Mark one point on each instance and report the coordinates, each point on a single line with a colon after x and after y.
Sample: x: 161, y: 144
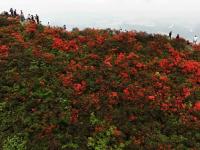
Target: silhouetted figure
x: 188, y: 42
x: 37, y: 19
x: 32, y: 18
x: 177, y: 37
x: 15, y: 12
x: 22, y: 18
x: 170, y: 35
x: 64, y: 27
x: 29, y: 17
x: 11, y: 12
x: 195, y: 39
x: 48, y: 24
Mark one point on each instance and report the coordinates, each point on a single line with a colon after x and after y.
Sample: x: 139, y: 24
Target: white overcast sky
x: 109, y: 13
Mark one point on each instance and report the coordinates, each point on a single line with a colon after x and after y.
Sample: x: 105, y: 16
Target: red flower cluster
x: 3, y: 51
x: 164, y: 63
x: 113, y: 98
x: 79, y: 87
x: 58, y: 44
x: 132, y: 118
x: 121, y: 57
x: 37, y: 53
x: 108, y: 60
x: 31, y: 27
x: 91, y: 44
x: 197, y: 106
x: 18, y: 37
x: 74, y: 116
x: 190, y: 66
x: 100, y: 40
x: 186, y: 92
x: 48, y: 56
x: 45, y: 55
x: 64, y: 45
x: 126, y: 92
x: 151, y: 97
x: 66, y: 79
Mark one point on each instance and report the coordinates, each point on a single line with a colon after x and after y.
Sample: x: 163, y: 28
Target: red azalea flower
x: 82, y: 39
x: 164, y: 78
x: 113, y: 94
x: 186, y: 92
x: 138, y: 46
x: 66, y: 80
x: 18, y: 37
x: 48, y: 56
x: 126, y: 91
x: 79, y: 87
x: 91, y: 44
x: 37, y: 53
x: 100, y: 40
x: 140, y: 65
x: 120, y: 58
x: 99, y: 128
x: 107, y: 61
x: 93, y: 56
x: 31, y: 27
x: 164, y: 63
x: 74, y: 116
x: 71, y: 45
x: 190, y: 66
x: 117, y: 132
x: 132, y: 55
x: 124, y: 75
x: 151, y: 97
x: 133, y: 71
x: 132, y: 118
x: 3, y: 51
x: 197, y: 106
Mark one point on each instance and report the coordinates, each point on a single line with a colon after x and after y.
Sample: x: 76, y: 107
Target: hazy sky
x: 110, y: 13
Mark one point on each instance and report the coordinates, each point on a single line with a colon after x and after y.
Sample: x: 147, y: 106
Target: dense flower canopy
x: 97, y: 89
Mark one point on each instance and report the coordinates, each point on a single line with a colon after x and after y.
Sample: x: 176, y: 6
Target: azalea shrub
x: 96, y: 89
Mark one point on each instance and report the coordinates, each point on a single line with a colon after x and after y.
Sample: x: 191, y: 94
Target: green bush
x: 3, y: 22
x: 14, y: 143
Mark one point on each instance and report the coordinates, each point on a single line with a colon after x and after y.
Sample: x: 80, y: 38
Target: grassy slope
x: 96, y: 89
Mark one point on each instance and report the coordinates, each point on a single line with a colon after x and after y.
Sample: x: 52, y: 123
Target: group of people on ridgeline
x: 33, y: 18
x: 170, y: 35
x: 195, y: 39
x: 13, y: 13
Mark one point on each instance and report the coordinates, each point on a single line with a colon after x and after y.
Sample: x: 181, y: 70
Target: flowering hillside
x: 96, y: 89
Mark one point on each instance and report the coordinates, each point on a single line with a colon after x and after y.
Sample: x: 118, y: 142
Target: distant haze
x: 180, y: 16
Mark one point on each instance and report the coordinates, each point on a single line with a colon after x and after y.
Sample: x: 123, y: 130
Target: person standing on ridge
x: 11, y: 12
x: 22, y: 18
x: 64, y: 27
x: 37, y: 19
x: 170, y: 35
x: 29, y: 17
x: 195, y: 39
x: 32, y: 18
x: 15, y: 12
x: 48, y: 25
x: 177, y: 37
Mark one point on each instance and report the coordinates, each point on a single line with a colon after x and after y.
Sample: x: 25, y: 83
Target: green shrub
x: 3, y: 22
x: 14, y: 143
